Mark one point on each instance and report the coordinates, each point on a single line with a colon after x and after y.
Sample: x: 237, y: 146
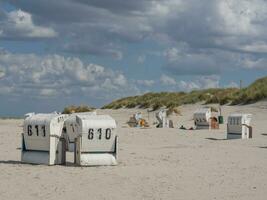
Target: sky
x: 64, y: 52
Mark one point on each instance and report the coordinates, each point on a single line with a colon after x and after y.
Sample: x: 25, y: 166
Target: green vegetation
x: 75, y: 109
x: 253, y: 93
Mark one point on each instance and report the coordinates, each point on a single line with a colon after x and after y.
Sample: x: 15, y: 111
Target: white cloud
x: 232, y: 84
x: 258, y: 47
x: 202, y: 82
x: 188, y: 85
x: 242, y: 17
x: 55, y: 75
x: 120, y: 80
x: 167, y: 80
x: 209, y: 81
x: 48, y: 92
x: 19, y: 24
x: 254, y: 63
x: 199, y: 82
x: 172, y: 54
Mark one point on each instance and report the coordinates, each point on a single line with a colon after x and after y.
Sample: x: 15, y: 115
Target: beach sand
x: 153, y: 163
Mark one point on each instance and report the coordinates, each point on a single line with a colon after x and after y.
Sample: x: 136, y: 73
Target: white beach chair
x: 42, y: 139
x: 239, y: 126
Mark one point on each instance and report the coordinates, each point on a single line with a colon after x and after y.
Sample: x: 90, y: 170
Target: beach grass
x: 75, y: 109
x: 233, y: 96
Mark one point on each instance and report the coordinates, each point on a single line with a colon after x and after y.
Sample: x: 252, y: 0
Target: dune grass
x: 76, y: 109
x: 255, y: 92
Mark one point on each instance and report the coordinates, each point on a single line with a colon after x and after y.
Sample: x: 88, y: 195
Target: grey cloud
x: 183, y: 63
x: 2, y: 15
x: 141, y: 59
x: 60, y: 11
x: 82, y: 24
x: 119, y: 6
x: 146, y: 83
x: 94, y: 49
x: 2, y: 74
x: 103, y: 27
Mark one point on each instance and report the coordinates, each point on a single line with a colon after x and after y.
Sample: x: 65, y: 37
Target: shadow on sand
x: 263, y: 147
x: 16, y: 162
x: 70, y: 164
x: 264, y: 134
x: 215, y: 139
x: 12, y: 162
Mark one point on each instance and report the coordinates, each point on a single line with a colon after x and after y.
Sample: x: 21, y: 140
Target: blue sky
x: 56, y: 53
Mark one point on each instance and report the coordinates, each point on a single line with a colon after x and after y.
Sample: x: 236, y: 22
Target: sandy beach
x: 153, y: 163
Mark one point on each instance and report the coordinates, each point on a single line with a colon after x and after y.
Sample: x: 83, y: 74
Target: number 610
x: 91, y: 133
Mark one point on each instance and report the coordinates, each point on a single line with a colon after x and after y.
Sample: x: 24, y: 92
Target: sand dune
x: 153, y: 163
